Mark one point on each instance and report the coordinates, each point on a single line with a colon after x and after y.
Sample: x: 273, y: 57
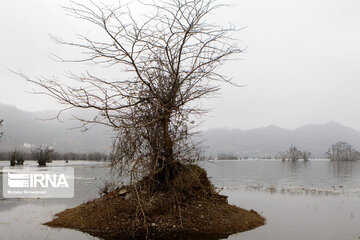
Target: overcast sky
x: 301, y: 64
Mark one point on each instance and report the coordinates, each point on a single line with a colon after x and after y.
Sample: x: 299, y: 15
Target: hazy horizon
x: 203, y: 128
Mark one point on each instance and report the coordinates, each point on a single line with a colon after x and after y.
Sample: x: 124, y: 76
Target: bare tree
x: 171, y: 57
x: 1, y: 133
x: 293, y: 154
x: 305, y: 155
x: 17, y: 157
x: 43, y: 155
x: 283, y: 156
x: 342, y: 151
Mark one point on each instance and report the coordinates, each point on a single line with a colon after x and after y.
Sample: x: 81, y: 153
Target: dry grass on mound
x: 190, y: 207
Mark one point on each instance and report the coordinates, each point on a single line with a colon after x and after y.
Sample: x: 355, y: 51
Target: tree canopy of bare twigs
x: 43, y: 155
x: 342, y: 151
x: 1, y: 133
x: 293, y: 154
x: 171, y: 56
x: 17, y: 157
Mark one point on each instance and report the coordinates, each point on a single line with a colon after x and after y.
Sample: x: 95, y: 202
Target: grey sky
x: 301, y: 64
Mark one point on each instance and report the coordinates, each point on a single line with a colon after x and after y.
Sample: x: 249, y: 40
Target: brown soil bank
x: 189, y: 209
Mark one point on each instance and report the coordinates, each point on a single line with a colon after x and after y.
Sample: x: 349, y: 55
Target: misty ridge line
x: 23, y: 127
x: 268, y: 142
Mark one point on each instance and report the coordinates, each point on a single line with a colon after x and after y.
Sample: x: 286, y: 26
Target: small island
x: 188, y: 207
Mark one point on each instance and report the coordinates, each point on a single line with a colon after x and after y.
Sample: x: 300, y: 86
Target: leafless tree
x: 283, y: 156
x: 293, y: 154
x: 43, y: 155
x: 17, y: 157
x: 171, y: 58
x: 305, y: 155
x: 1, y: 133
x: 342, y: 151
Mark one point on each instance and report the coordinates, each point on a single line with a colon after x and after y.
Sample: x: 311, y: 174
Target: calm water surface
x: 312, y: 200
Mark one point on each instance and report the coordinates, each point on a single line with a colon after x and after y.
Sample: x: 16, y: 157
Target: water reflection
x: 31, y: 213
x: 299, y: 217
x: 343, y: 170
x: 295, y: 166
x: 315, y: 174
x: 169, y: 236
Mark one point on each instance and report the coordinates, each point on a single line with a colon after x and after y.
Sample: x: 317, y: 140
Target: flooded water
x: 300, y: 200
x: 23, y: 218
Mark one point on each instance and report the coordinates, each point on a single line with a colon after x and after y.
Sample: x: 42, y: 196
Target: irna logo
x: 34, y: 180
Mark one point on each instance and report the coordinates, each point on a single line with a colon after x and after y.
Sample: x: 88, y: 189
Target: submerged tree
x: 342, y: 151
x: 17, y: 157
x: 171, y: 58
x: 1, y: 133
x: 43, y: 155
x: 283, y: 156
x: 305, y: 155
x: 293, y: 154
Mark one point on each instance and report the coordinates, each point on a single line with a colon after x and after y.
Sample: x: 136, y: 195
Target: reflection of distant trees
x: 342, y: 169
x: 294, y: 166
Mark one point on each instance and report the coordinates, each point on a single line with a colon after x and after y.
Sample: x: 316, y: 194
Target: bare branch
x: 171, y: 56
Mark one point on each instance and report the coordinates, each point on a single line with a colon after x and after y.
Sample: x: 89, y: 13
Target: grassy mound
x: 189, y: 208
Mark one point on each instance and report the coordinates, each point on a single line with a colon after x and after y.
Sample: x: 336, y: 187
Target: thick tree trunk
x: 167, y: 167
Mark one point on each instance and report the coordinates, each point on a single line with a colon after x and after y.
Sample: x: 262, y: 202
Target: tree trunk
x: 167, y: 167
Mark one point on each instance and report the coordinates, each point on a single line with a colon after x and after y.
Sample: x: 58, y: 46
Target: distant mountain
x: 22, y: 127
x: 271, y: 140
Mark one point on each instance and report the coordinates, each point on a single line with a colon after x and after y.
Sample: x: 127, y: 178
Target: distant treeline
x: 94, y: 156
x: 227, y: 156
x: 340, y: 151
